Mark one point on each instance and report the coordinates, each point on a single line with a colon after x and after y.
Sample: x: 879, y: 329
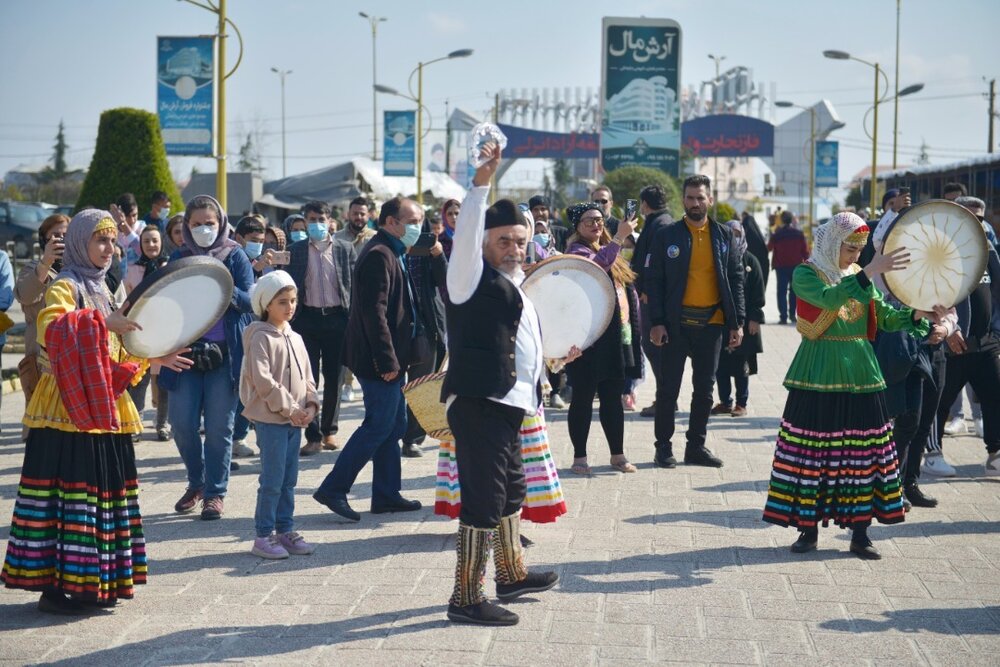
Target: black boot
x: 808, y: 538
x: 918, y: 498
x: 862, y: 547
x: 512, y: 577
x: 54, y: 602
x: 468, y: 602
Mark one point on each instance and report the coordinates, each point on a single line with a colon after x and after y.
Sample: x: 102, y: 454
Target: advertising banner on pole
x: 185, y: 94
x: 826, y: 164
x: 640, y: 94
x: 400, y: 146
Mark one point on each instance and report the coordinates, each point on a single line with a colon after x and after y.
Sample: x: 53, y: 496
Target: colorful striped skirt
x: 76, y: 525
x: 835, y: 461
x: 544, y: 500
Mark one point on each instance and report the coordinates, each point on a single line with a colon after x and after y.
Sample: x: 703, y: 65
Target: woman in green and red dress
x: 835, y: 459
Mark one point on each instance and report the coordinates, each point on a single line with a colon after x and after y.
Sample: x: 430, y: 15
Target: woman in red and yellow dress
x: 76, y: 534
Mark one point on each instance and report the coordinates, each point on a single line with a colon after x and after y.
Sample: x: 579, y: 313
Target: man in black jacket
x: 653, y: 207
x: 695, y: 288
x: 493, y: 381
x: 380, y: 333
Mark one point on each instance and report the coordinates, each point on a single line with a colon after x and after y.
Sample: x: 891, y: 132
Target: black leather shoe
x: 399, y: 504
x: 865, y: 550
x: 702, y: 457
x: 56, y: 603
x: 337, y: 506
x: 484, y: 613
x: 918, y: 498
x: 807, y: 542
x: 411, y: 451
x: 664, y: 458
x: 535, y: 582
x: 526, y: 543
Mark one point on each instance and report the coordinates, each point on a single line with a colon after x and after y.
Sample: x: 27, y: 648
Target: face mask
x: 542, y: 240
x: 627, y: 253
x: 318, y: 231
x: 205, y: 235
x: 164, y: 214
x: 299, y: 235
x: 254, y: 249
x: 411, y: 235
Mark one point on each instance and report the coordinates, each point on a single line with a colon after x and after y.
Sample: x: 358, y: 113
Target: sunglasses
x: 594, y: 221
x: 600, y: 201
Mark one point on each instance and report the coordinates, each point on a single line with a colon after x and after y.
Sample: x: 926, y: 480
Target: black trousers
x: 415, y: 433
x: 581, y: 412
x: 652, y: 352
x: 488, y: 453
x: 982, y: 371
x: 702, y: 345
x: 323, y: 335
x: 912, y: 428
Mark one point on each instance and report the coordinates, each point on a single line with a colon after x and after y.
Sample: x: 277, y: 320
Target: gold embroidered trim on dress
x: 798, y: 384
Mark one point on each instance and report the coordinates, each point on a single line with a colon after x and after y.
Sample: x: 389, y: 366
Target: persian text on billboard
x: 640, y: 97
x: 185, y: 95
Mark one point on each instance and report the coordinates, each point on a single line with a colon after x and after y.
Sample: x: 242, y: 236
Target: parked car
x: 19, y: 223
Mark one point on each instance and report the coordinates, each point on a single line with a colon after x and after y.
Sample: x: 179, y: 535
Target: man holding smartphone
x: 321, y: 267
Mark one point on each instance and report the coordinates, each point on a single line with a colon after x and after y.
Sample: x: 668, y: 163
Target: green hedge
x: 626, y: 182
x: 129, y: 157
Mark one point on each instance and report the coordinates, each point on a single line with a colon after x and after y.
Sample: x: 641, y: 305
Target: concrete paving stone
x: 785, y: 610
x: 754, y: 629
x: 839, y: 593
x: 425, y: 634
x: 699, y: 596
x: 950, y: 590
x: 643, y: 614
x: 619, y: 634
x: 871, y: 646
x: 538, y: 653
x: 951, y: 659
x: 642, y: 653
x: 681, y: 622
x: 722, y: 651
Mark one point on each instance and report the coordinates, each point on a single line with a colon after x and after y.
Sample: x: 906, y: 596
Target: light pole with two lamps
x: 374, y: 21
x: 282, y: 73
x: 418, y: 98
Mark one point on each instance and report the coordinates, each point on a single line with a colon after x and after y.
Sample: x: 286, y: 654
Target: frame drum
x: 177, y: 305
x: 948, y: 254
x: 575, y: 301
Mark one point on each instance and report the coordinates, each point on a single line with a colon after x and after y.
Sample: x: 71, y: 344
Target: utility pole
x: 993, y: 114
x: 220, y: 132
x: 895, y: 104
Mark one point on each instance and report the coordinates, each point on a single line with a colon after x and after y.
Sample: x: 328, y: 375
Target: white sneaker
x: 241, y: 450
x: 955, y: 426
x: 978, y: 425
x: 556, y: 402
x: 347, y: 394
x: 993, y: 465
x: 936, y: 466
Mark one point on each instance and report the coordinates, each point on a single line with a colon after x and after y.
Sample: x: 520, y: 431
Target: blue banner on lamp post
x: 399, y: 150
x: 826, y: 164
x: 185, y: 94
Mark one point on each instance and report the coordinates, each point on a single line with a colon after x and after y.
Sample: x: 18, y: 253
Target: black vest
x: 481, y: 339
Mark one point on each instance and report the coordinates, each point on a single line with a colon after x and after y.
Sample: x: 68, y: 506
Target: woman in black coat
x: 741, y: 363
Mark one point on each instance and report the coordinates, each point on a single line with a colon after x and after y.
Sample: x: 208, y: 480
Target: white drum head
x: 948, y: 253
x: 177, y: 305
x: 575, y: 300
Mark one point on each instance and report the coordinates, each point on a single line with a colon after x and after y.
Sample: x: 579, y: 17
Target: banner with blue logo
x: 185, y: 94
x: 826, y: 164
x: 400, y: 146
x: 640, y: 94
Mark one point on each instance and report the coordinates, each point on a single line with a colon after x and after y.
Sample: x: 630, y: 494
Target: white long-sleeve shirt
x: 465, y: 270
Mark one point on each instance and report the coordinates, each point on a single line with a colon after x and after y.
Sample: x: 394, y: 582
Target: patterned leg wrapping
x: 507, y: 551
x: 473, y: 546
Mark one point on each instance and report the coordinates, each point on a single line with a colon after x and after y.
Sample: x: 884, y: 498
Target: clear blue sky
x: 68, y: 59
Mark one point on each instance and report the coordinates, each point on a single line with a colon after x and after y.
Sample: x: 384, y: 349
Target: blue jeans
x: 279, y: 472
x: 786, y: 297
x: 376, y: 440
x: 213, y: 395
x: 241, y: 425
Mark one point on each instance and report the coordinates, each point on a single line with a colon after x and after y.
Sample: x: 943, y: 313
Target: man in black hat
x: 493, y: 381
x: 541, y: 211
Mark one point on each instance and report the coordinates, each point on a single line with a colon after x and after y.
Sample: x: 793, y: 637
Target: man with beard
x: 695, y: 289
x: 356, y: 231
x: 602, y: 197
x: 493, y: 381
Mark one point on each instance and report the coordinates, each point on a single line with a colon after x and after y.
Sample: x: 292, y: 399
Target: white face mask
x: 205, y: 235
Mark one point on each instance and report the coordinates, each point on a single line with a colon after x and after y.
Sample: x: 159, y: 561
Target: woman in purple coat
x: 616, y: 354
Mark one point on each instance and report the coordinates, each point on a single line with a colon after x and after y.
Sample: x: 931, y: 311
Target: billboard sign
x: 728, y: 135
x: 640, y: 94
x: 399, y: 149
x: 185, y: 94
x: 827, y: 172
x: 525, y: 143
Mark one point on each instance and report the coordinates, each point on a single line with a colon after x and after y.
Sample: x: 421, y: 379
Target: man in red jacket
x: 788, y: 250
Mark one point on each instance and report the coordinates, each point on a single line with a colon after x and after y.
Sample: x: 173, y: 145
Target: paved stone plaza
x: 659, y: 566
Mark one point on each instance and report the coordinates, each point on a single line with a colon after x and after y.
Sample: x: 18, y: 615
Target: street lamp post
x: 895, y: 105
x: 374, y: 21
x: 812, y: 151
x: 282, y: 74
x: 843, y: 55
x: 715, y: 179
x: 418, y: 98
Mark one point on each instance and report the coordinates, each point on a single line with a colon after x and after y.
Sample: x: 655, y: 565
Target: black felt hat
x: 503, y: 214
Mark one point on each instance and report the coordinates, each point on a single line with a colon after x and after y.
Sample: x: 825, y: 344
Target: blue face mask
x: 299, y: 235
x: 254, y: 249
x: 318, y: 231
x: 542, y: 240
x: 411, y: 235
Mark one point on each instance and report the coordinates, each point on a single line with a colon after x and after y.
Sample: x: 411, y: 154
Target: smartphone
x: 424, y: 243
x: 282, y: 257
x: 631, y: 206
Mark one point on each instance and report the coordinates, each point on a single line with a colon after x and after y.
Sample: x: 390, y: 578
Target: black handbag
x: 206, y: 355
